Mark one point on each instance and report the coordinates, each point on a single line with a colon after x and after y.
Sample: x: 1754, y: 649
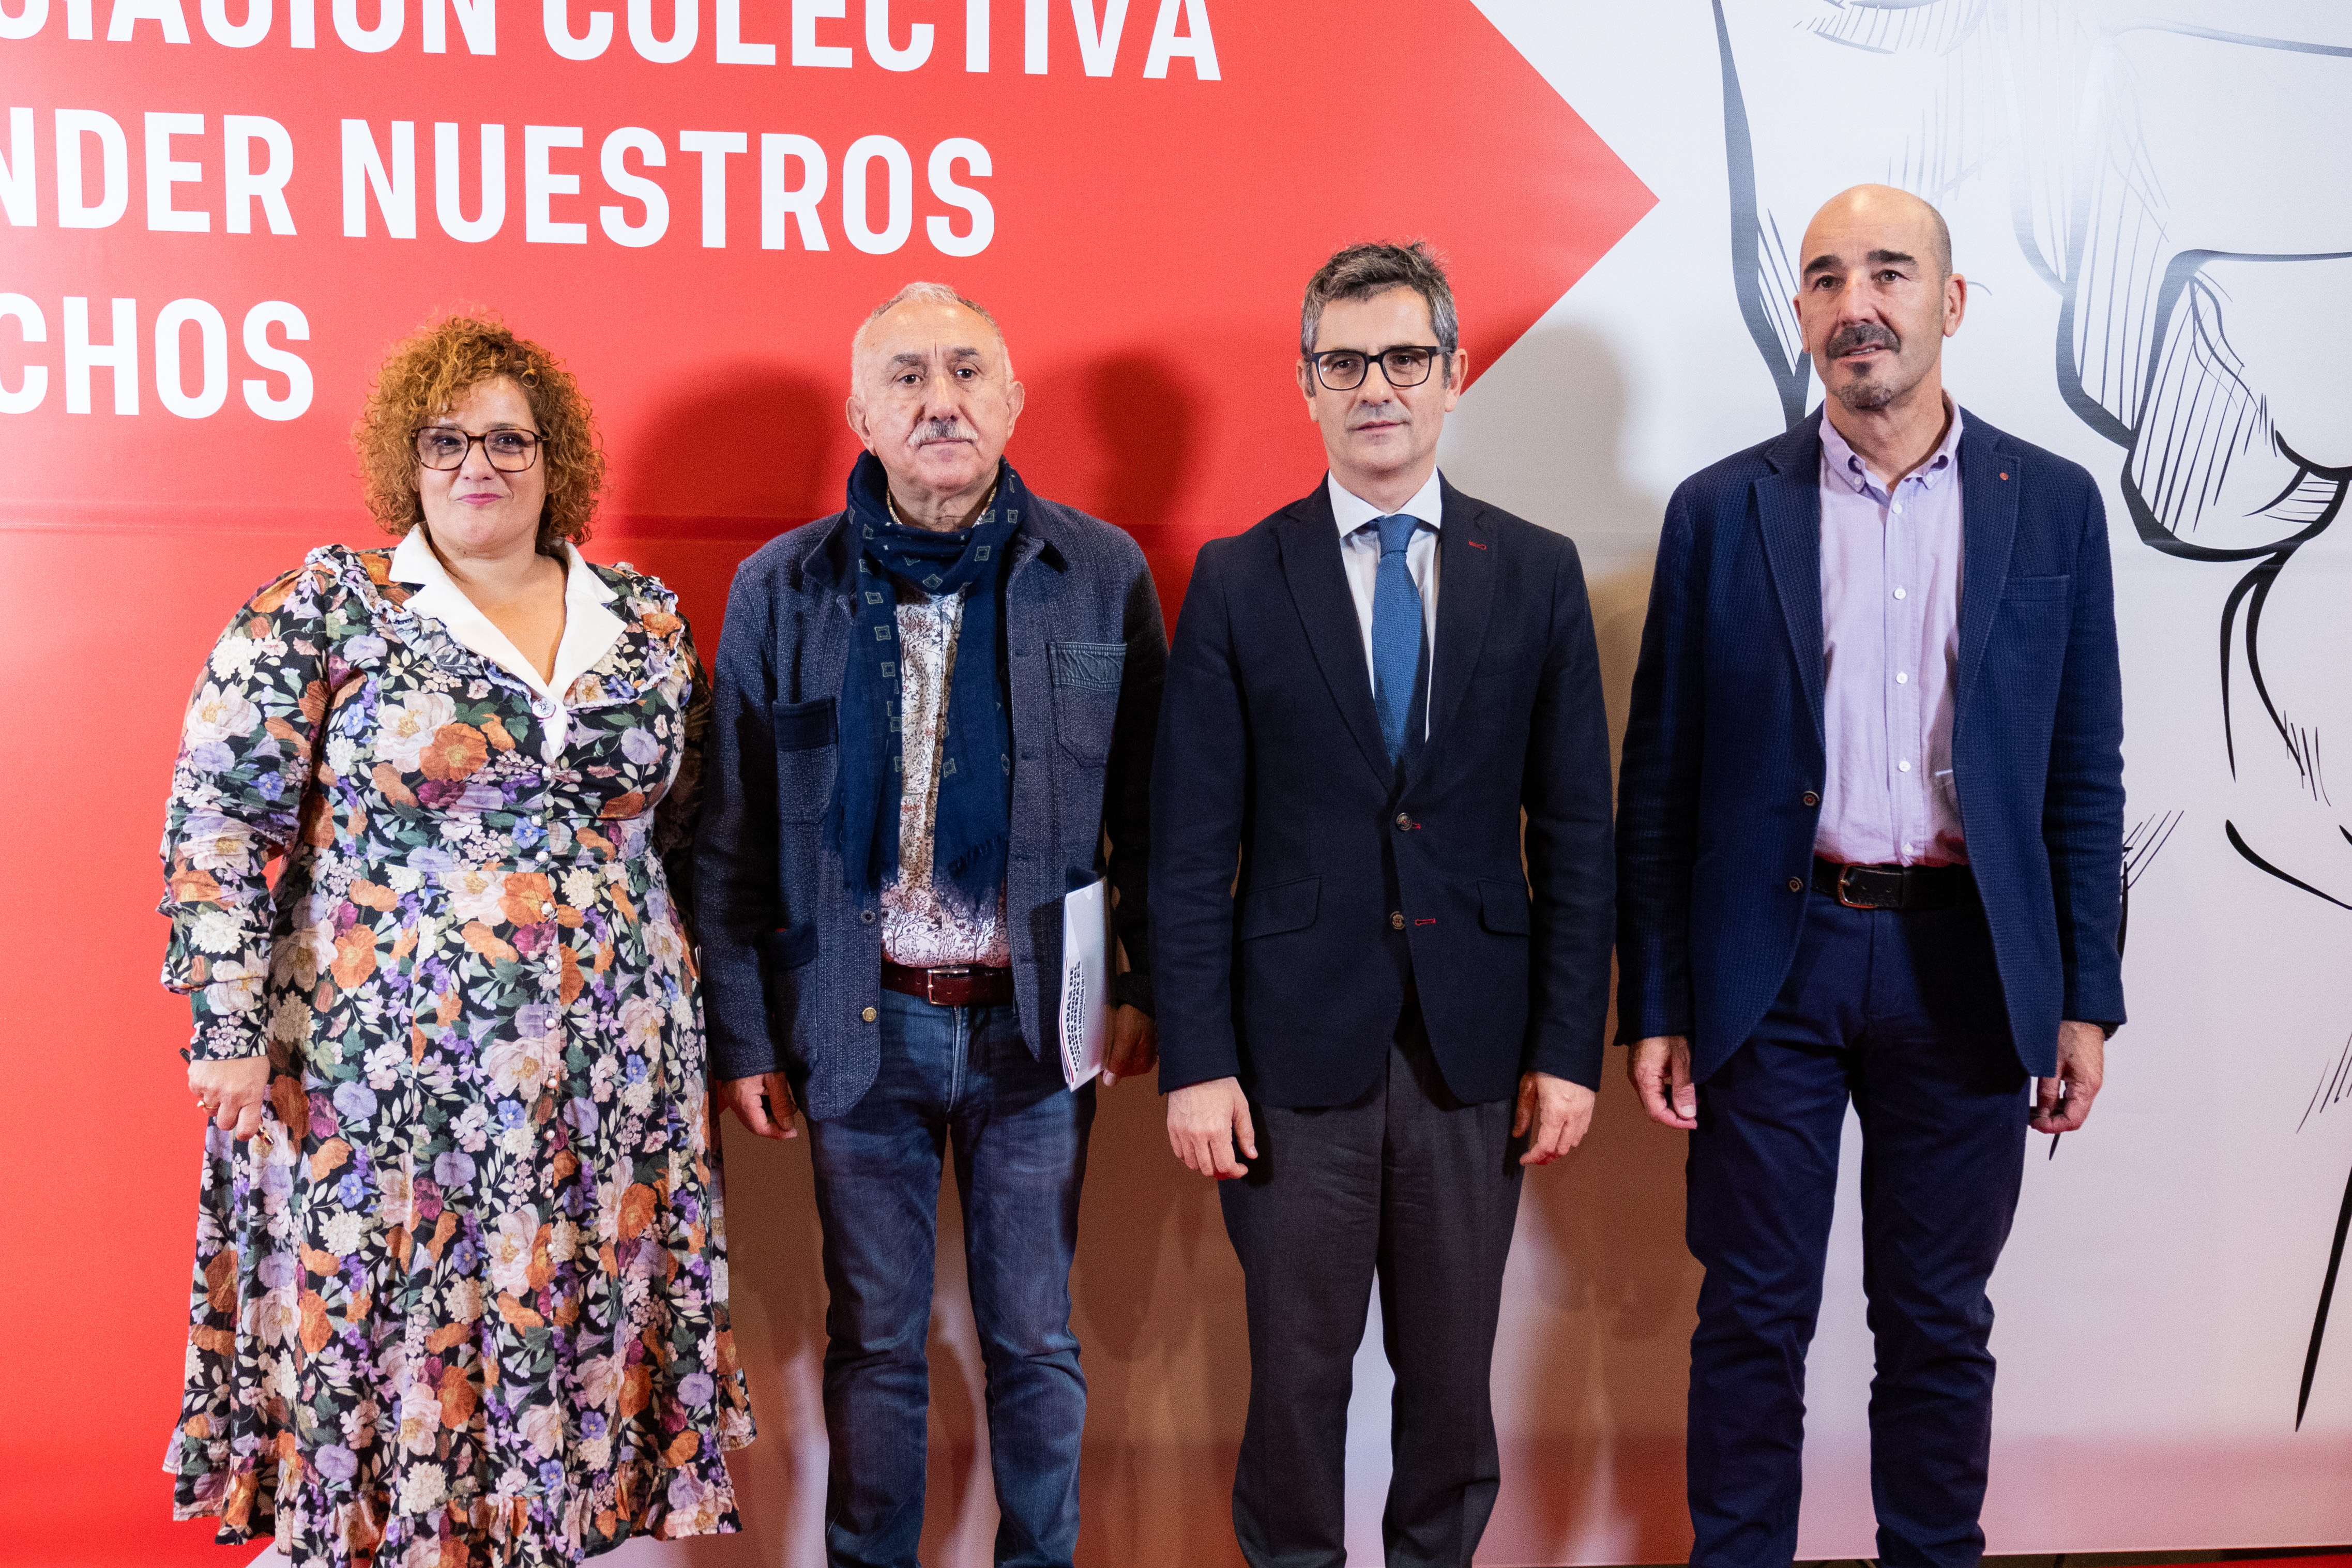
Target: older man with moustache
x: 933, y: 708
x: 1399, y: 1003
x: 1870, y: 837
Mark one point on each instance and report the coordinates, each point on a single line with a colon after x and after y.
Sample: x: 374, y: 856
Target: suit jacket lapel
x: 1310, y: 540
x: 1988, y: 488
x: 1788, y: 507
x: 1466, y: 590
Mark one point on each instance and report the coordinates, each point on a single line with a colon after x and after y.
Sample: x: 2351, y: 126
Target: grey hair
x: 1360, y: 271
x: 936, y: 294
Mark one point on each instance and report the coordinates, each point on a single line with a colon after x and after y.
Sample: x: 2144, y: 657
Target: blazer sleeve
x: 1658, y: 792
x: 2083, y: 805
x: 1127, y: 791
x: 735, y: 895
x: 1199, y: 780
x: 240, y: 798
x: 1569, y: 871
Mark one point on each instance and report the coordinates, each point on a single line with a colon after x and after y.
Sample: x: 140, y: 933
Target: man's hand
x: 1559, y: 1111
x: 1134, y: 1045
x: 231, y: 1090
x: 2062, y: 1104
x: 1205, y: 1121
x: 764, y: 1105
x: 1660, y: 1068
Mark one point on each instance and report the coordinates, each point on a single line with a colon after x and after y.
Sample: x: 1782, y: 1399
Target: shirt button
x: 1901, y: 679
x: 1812, y: 798
x: 1903, y: 767
x: 544, y: 706
x: 867, y: 1016
x: 1898, y: 594
x: 1396, y: 922
x: 1796, y: 884
x: 1404, y: 820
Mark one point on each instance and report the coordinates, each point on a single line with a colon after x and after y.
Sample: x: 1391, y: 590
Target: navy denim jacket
x: 792, y: 961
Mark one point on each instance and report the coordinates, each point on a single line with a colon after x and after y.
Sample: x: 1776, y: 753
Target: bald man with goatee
x: 1869, y: 841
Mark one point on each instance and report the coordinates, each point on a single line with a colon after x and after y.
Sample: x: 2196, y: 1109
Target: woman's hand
x: 231, y: 1091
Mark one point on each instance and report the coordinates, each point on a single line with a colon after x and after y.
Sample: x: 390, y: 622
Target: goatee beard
x: 1864, y: 394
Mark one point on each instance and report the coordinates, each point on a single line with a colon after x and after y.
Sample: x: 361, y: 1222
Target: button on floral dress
x: 463, y: 1299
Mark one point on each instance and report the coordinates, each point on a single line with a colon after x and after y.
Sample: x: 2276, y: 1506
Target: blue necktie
x: 1396, y: 632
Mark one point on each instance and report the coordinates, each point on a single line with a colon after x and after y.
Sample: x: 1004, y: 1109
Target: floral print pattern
x: 463, y: 1298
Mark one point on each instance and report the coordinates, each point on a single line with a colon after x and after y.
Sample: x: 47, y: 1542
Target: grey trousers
x: 1412, y: 1185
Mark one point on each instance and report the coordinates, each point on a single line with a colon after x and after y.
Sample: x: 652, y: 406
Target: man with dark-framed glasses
x: 1390, y: 1012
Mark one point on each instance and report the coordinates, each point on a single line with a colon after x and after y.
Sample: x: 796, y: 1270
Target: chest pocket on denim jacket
x: 1086, y: 677
x: 807, y: 748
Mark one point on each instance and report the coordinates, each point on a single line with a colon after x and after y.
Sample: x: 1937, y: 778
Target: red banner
x: 218, y: 215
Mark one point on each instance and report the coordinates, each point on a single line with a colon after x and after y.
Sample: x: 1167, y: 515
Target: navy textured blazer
x: 1270, y: 757
x: 791, y: 960
x: 1724, y: 749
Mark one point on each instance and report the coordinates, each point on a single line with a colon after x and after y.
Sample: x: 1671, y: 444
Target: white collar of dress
x: 590, y: 627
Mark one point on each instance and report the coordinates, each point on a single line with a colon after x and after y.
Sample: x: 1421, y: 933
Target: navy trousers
x: 1901, y: 1013
x: 1412, y: 1188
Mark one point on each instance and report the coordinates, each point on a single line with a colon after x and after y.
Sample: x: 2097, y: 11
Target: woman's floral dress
x: 463, y: 1299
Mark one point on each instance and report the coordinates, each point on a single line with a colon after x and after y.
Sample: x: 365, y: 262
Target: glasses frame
x: 1435, y: 351
x: 483, y: 440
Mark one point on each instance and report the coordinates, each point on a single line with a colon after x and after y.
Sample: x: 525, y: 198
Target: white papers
x: 1085, y: 982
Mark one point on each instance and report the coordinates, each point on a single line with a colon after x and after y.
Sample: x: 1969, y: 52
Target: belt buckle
x: 931, y: 978
x: 1845, y: 875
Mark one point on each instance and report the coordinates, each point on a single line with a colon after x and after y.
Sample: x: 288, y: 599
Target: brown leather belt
x: 965, y: 986
x: 1899, y: 887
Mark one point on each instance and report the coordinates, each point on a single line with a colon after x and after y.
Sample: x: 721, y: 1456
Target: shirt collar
x: 590, y: 627
x: 1352, y: 511
x: 1839, y: 460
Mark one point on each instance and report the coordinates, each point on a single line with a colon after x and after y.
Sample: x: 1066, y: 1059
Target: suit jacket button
x: 867, y: 1014
x: 1404, y: 819
x: 1396, y: 922
x: 866, y: 918
x: 1796, y: 884
x: 1812, y: 799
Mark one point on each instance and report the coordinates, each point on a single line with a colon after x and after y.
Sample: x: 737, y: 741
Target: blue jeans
x: 1901, y: 1014
x: 963, y: 1075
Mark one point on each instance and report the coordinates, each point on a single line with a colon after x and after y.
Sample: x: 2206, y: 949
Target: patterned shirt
x: 923, y: 925
x: 1890, y: 645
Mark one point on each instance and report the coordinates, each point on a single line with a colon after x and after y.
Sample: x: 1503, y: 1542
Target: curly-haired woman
x: 461, y: 1283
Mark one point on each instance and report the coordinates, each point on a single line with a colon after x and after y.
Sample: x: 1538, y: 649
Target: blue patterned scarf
x: 975, y: 771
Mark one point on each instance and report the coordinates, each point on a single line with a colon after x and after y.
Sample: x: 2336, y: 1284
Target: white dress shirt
x: 1361, y: 554
x: 589, y: 628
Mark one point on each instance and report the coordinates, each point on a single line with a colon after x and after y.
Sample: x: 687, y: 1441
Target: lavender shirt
x: 1890, y: 642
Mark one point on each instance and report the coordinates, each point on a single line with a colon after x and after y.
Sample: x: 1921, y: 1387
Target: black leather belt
x: 1903, y: 887
x: 963, y: 986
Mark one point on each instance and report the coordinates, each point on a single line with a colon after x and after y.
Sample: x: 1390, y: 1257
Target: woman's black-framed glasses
x: 1406, y: 365
x: 443, y: 446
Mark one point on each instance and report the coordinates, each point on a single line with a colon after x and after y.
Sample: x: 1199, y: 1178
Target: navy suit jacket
x: 1293, y: 976
x: 1724, y: 749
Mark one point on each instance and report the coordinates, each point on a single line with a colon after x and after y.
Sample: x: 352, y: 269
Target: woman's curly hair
x: 430, y: 371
